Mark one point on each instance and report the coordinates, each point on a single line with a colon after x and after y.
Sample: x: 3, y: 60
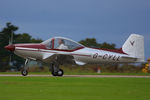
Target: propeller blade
x: 10, y: 58
x: 11, y: 39
x: 10, y: 42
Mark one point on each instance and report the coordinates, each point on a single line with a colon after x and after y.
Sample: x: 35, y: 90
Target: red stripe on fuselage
x: 35, y: 46
x: 50, y: 52
x: 42, y: 46
x: 111, y: 50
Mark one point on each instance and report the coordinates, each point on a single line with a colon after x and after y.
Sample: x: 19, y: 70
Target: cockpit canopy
x: 61, y: 43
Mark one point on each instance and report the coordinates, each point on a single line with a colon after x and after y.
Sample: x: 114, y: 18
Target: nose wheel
x: 24, y: 72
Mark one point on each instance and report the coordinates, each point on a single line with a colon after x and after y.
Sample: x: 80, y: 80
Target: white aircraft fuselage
x: 85, y: 54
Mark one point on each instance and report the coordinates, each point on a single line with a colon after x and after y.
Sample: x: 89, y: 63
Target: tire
x: 54, y: 73
x: 24, y: 72
x: 60, y: 72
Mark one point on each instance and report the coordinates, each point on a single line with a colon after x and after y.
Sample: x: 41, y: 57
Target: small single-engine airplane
x: 59, y: 50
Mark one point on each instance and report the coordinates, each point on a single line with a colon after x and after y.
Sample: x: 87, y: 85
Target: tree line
x: 8, y: 59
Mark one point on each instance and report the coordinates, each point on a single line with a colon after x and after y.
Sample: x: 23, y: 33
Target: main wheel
x: 24, y: 72
x: 60, y: 72
x: 54, y: 73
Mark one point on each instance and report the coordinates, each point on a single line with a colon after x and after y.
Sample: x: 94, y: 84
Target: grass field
x: 74, y: 88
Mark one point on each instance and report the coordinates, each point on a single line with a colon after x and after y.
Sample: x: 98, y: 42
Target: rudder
x: 134, y: 47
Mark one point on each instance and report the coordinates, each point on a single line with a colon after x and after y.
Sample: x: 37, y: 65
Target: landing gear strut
x: 55, y: 70
x: 24, y: 70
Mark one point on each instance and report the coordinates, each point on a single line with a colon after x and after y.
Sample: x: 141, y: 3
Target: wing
x: 61, y: 59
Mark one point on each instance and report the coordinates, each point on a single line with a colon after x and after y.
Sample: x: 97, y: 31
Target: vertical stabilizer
x: 134, y: 47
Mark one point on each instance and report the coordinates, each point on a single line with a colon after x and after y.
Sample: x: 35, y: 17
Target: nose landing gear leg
x: 24, y: 70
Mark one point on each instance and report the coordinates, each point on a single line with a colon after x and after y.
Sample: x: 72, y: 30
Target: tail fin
x: 134, y: 46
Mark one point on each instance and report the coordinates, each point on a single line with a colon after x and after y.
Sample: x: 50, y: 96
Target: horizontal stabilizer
x: 132, y: 58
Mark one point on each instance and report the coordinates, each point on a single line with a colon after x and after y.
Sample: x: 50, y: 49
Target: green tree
x: 36, y: 40
x: 22, y: 38
x: 26, y: 38
x: 106, y: 45
x: 4, y: 40
x: 5, y: 34
x: 91, y: 42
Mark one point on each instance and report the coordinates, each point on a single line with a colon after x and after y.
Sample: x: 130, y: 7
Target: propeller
x: 10, y: 47
x: 10, y: 56
x: 11, y: 39
x: 10, y: 60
